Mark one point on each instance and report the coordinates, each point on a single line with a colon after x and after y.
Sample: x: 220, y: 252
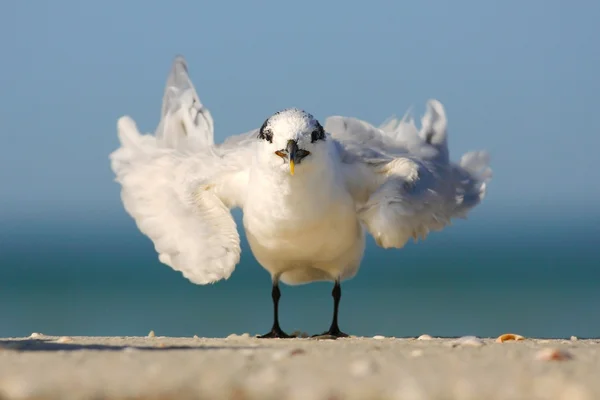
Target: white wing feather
x: 179, y: 186
x: 402, y: 178
x: 185, y: 124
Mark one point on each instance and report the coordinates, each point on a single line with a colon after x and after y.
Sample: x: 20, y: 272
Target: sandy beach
x: 242, y: 367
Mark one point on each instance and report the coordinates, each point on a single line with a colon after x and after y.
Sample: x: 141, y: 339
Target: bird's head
x: 290, y: 138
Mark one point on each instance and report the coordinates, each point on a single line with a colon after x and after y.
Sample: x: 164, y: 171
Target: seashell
x: 472, y: 341
x: 151, y: 334
x: 378, y: 337
x: 507, y: 337
x: 424, y: 337
x: 553, y: 354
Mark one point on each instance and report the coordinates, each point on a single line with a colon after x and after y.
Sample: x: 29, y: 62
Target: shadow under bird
x: 309, y: 194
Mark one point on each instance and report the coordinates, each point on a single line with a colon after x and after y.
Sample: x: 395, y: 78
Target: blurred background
x: 519, y: 79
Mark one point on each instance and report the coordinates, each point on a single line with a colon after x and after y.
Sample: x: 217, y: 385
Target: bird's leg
x: 276, y: 331
x: 334, y: 329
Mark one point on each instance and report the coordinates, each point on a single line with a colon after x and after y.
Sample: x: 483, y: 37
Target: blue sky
x: 519, y: 78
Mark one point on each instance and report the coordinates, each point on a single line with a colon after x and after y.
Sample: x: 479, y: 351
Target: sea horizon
x: 484, y: 276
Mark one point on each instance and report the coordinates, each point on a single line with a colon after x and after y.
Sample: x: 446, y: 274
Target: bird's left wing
x: 401, y: 177
x: 179, y: 186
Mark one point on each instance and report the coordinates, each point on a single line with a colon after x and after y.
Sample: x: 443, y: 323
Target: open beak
x: 292, y: 149
x: 293, y: 154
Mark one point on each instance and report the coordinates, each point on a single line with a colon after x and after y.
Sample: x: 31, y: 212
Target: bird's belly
x: 325, y: 246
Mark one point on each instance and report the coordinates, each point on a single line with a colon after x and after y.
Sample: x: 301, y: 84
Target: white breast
x: 303, y: 227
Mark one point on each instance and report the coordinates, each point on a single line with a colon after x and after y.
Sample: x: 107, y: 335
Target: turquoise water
x: 486, y: 276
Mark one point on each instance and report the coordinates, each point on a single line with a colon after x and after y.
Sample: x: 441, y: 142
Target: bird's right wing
x: 179, y: 187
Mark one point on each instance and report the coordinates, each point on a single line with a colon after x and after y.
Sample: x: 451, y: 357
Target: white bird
x: 308, y: 194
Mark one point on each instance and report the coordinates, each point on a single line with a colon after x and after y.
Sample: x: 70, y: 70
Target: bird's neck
x: 306, y: 193
x: 305, y: 179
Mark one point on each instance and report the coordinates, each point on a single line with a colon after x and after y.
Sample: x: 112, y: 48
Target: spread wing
x: 179, y: 186
x: 402, y: 177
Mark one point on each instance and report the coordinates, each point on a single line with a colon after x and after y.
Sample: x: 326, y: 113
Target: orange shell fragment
x: 553, y: 355
x: 509, y: 337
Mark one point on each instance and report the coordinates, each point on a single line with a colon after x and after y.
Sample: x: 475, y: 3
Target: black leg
x: 276, y: 331
x: 334, y: 329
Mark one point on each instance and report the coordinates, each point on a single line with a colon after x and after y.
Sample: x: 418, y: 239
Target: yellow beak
x: 292, y: 167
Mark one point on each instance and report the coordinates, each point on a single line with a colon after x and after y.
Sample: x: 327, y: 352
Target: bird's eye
x: 268, y: 136
x: 314, y: 136
x: 317, y: 134
x: 265, y: 133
